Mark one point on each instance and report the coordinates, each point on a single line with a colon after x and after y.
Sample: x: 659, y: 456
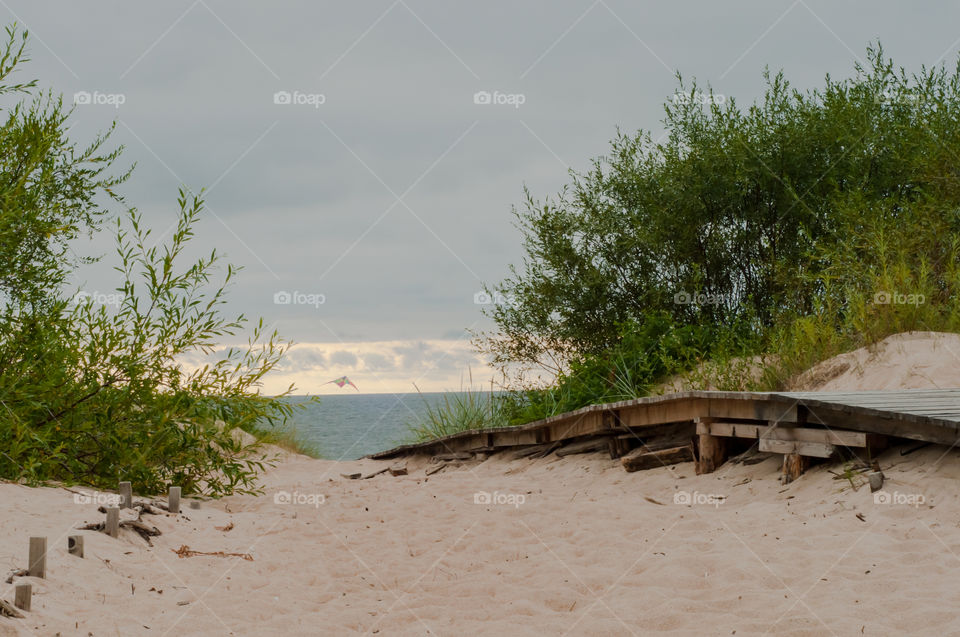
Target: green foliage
x: 806, y: 225
x: 459, y: 411
x: 96, y: 395
x: 804, y: 204
x: 645, y: 356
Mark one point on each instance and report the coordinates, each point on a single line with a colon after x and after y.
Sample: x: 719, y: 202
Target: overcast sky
x: 349, y: 160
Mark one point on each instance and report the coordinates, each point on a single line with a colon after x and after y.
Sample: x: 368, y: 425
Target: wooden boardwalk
x: 793, y: 423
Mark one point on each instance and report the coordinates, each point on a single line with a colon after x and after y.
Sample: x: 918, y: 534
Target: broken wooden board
x: 447, y: 457
x: 640, y: 459
x: 536, y: 451
x: 584, y: 446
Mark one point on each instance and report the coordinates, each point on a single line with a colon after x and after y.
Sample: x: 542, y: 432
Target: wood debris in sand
x: 8, y: 610
x: 186, y: 551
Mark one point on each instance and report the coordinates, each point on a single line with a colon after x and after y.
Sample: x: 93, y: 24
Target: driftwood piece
x: 536, y: 451
x: 375, y: 473
x: 351, y: 476
x: 526, y: 452
x: 584, y: 446
x: 398, y: 470
x: 8, y: 610
x: 20, y: 572
x: 143, y: 530
x: 142, y: 506
x: 437, y: 468
x: 640, y: 459
x: 186, y: 551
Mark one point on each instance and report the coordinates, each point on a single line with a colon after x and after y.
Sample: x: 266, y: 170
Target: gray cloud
x: 301, y: 196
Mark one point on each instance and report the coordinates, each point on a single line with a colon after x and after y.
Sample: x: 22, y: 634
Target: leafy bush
x: 96, y: 395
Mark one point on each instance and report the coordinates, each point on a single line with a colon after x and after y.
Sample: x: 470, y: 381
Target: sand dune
x: 571, y: 546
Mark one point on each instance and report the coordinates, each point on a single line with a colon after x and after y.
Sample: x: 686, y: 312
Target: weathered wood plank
x: 798, y: 447
x: 639, y: 459
x: 751, y: 430
x: 583, y: 446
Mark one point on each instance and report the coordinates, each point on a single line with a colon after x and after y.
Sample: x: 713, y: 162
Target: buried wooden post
x: 113, y: 521
x: 793, y: 466
x: 37, y: 566
x: 712, y: 449
x: 21, y: 596
x: 75, y: 545
x: 173, y: 500
x: 126, y: 495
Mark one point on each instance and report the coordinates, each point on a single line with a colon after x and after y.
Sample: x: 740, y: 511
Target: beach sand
x: 571, y: 546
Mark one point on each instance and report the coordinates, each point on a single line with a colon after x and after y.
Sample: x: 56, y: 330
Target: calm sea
x: 350, y: 426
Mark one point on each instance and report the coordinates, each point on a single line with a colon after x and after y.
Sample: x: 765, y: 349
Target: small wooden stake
x: 75, y: 545
x: 126, y: 495
x: 21, y: 596
x: 876, y: 480
x: 113, y: 521
x: 38, y: 557
x: 173, y: 500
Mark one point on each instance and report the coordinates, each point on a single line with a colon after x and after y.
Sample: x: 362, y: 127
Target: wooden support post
x: 113, y: 521
x: 126, y: 495
x: 793, y: 466
x: 713, y: 450
x: 75, y: 545
x: 21, y: 596
x: 37, y: 566
x: 173, y: 500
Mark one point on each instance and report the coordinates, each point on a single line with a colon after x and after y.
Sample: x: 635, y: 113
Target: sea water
x: 349, y: 426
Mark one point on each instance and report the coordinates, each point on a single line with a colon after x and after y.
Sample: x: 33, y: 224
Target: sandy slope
x: 576, y: 546
x: 591, y: 551
x: 913, y: 360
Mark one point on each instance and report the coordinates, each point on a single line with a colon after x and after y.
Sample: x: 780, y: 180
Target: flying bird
x: 343, y: 380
